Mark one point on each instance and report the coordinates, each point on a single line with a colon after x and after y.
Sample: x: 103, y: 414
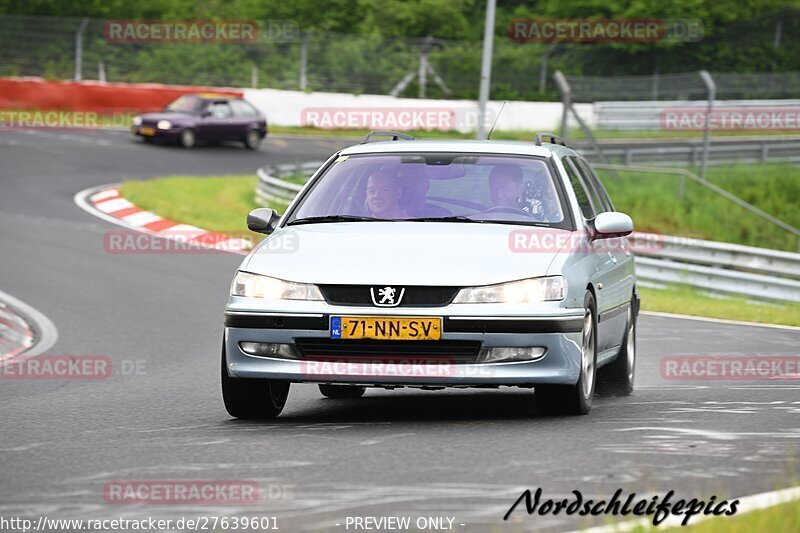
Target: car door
x: 219, y: 123
x: 618, y: 285
x: 603, y: 263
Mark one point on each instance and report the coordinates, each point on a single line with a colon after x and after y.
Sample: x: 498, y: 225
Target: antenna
x: 489, y: 137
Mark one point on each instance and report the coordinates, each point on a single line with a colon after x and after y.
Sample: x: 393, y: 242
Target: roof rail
x: 393, y: 134
x: 554, y: 139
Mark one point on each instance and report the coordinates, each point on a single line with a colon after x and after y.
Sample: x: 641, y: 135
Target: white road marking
x: 720, y: 321
x: 46, y: 332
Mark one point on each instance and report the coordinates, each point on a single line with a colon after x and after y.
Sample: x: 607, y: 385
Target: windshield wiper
x: 336, y: 218
x: 445, y: 219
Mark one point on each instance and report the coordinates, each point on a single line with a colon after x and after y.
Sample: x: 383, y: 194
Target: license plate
x: 386, y: 328
x: 147, y: 131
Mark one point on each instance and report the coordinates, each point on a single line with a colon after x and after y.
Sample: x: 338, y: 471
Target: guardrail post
x: 566, y: 100
x: 764, y: 151
x: 486, y: 68
x: 79, y: 49
x: 711, y: 87
x: 304, y: 62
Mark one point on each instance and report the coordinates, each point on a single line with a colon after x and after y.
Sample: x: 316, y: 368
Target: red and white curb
x: 23, y: 329
x: 15, y: 335
x: 105, y: 202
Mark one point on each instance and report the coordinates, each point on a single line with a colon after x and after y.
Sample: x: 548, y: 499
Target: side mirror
x: 262, y: 220
x: 607, y: 225
x: 205, y: 114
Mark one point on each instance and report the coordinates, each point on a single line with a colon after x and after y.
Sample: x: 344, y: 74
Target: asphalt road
x: 461, y: 454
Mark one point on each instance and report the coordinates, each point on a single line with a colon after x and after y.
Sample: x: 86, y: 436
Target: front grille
x: 413, y: 295
x: 453, y: 351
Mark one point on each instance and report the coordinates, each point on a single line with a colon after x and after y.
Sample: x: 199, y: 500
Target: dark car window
x: 220, y: 110
x: 580, y: 189
x: 243, y: 109
x: 591, y: 177
x: 591, y: 189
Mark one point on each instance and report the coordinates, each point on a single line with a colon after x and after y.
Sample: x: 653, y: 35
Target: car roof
x: 215, y: 96
x: 457, y: 145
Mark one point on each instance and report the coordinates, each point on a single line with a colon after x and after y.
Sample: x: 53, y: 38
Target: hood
x: 403, y: 253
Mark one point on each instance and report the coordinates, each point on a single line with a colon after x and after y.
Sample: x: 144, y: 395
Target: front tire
x: 252, y: 399
x: 342, y: 392
x: 617, y: 377
x: 576, y: 399
x: 188, y: 138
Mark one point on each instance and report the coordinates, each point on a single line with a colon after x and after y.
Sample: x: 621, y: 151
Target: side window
x: 220, y: 110
x: 586, y: 179
x: 242, y: 108
x: 592, y: 178
x: 580, y: 191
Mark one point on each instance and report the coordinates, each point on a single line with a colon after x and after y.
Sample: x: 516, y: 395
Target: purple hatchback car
x: 203, y: 117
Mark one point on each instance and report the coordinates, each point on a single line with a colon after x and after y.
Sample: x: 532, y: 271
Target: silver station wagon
x: 433, y: 264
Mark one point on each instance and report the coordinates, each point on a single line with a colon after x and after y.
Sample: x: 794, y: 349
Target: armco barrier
x: 758, y: 273
x: 40, y: 94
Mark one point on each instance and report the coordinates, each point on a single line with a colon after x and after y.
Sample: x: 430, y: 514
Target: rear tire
x: 575, y: 399
x: 342, y: 392
x: 188, y: 138
x: 252, y: 399
x: 617, y: 377
x: 252, y: 139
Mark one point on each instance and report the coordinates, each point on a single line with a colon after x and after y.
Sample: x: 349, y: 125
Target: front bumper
x: 558, y: 332
x: 172, y: 133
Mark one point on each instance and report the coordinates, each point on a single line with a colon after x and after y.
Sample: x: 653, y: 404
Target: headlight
x: 257, y: 286
x: 164, y: 124
x: 137, y: 121
x: 547, y: 289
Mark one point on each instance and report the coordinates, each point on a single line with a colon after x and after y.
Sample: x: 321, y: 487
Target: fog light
x: 269, y: 349
x: 511, y: 353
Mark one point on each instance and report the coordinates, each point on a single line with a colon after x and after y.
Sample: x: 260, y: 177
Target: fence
x: 77, y: 48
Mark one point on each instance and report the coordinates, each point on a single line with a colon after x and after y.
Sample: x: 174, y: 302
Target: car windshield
x: 187, y: 104
x: 445, y: 187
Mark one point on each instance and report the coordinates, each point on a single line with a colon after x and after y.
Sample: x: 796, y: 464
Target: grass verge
x: 688, y: 301
x: 783, y: 517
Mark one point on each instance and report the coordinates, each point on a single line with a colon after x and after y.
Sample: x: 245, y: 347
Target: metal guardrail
x: 757, y: 273
x: 649, y: 115
x: 272, y: 189
x: 720, y: 280
x: 690, y: 153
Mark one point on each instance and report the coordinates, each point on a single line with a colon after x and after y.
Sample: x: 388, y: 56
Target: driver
x: 383, y: 195
x: 506, y: 186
